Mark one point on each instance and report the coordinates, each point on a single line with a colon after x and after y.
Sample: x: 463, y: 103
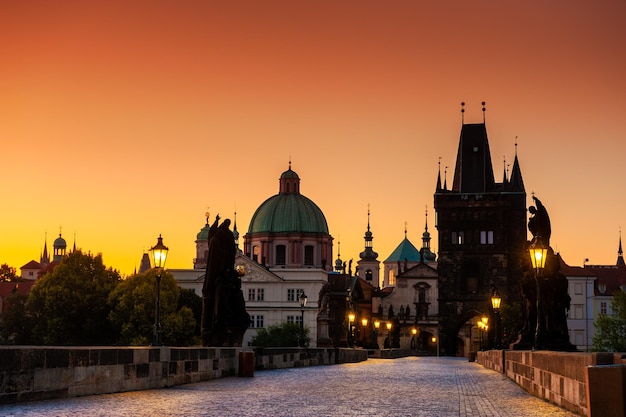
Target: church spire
x: 516, y: 183
x: 368, y: 254
x: 438, y: 188
x: 426, y: 254
x: 45, y: 258
x: 620, y: 253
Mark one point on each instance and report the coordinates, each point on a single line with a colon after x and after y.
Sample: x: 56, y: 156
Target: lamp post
x: 538, y: 254
x: 351, y: 318
x: 364, y: 322
x: 302, y: 299
x: 159, y: 255
x: 375, y: 334
x: 495, y: 304
x: 414, y: 338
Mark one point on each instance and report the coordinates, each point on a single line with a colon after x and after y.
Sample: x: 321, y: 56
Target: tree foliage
x: 16, y: 324
x: 133, y: 311
x: 9, y: 274
x: 281, y: 335
x: 610, y: 333
x: 69, y: 306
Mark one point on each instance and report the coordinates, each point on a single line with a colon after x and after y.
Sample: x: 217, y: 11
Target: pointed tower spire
x: 516, y: 183
x: 426, y: 254
x: 438, y: 188
x: 484, y: 110
x: 504, y: 178
x: 445, y: 179
x: 45, y: 258
x: 368, y: 254
x: 236, y: 232
x: 620, y: 253
x: 338, y: 262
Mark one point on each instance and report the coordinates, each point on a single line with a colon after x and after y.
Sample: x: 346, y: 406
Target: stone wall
x: 558, y: 377
x: 35, y: 373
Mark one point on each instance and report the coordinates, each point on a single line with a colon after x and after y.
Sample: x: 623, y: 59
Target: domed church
x: 288, y: 230
x: 287, y: 252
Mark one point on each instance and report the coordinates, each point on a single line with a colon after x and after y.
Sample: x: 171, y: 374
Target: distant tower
x: 144, y: 266
x: 426, y: 255
x: 620, y: 253
x: 202, y: 245
x: 339, y: 262
x: 59, y: 246
x: 481, y: 233
x: 368, y: 265
x: 45, y: 257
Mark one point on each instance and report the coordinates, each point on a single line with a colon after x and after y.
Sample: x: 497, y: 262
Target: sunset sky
x: 123, y: 120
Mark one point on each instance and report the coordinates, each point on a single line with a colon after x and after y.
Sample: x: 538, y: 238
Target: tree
x: 611, y: 330
x: 8, y: 274
x: 16, y: 324
x: 133, y: 311
x: 69, y: 306
x: 281, y: 335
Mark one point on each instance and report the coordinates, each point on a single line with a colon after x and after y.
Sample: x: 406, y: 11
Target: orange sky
x: 121, y: 120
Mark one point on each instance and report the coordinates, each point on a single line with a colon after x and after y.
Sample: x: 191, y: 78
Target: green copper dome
x: 288, y: 211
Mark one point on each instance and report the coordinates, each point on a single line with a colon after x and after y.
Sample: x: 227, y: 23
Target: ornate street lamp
x: 538, y: 255
x: 495, y: 304
x: 351, y: 318
x: 302, y: 299
x: 159, y: 255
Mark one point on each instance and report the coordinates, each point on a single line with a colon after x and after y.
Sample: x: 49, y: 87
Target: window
x: 294, y: 319
x: 603, y: 307
x: 458, y: 238
x: 578, y: 311
x: 256, y: 321
x: 392, y: 277
x: 578, y: 288
x: 308, y: 255
x: 486, y: 237
x: 256, y: 294
x: 255, y: 253
x: 293, y: 293
x: 368, y: 275
x: 281, y: 254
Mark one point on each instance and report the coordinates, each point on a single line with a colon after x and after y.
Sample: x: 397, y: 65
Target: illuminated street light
x: 159, y: 255
x: 496, y: 300
x: 538, y: 254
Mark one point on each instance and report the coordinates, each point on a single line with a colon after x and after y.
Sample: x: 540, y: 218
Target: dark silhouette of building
x: 482, y: 236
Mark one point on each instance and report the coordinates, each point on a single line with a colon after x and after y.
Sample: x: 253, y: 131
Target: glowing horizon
x: 102, y: 101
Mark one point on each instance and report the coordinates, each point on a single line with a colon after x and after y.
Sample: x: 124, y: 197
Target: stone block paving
x: 414, y: 386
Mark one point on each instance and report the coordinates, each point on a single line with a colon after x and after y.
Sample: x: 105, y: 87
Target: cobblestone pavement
x: 413, y: 386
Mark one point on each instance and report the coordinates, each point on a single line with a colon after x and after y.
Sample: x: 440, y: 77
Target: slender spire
x: 338, y: 262
x: 516, y: 182
x: 445, y: 179
x: 438, y: 188
x: 504, y: 179
x: 405, y: 229
x: 368, y: 254
x: 620, y: 253
x: 235, y: 232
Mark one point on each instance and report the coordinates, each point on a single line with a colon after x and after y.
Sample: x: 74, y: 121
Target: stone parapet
x: 575, y: 381
x: 38, y: 373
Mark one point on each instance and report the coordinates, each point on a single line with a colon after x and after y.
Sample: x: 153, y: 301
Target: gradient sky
x: 123, y: 120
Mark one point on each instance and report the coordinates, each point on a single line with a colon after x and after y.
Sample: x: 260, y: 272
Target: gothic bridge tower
x: 481, y: 228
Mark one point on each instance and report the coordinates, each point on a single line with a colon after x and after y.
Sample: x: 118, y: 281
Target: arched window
x: 392, y: 277
x: 368, y: 275
x: 255, y: 253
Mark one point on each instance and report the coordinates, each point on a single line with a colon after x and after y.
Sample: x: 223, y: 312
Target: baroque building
x: 481, y: 227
